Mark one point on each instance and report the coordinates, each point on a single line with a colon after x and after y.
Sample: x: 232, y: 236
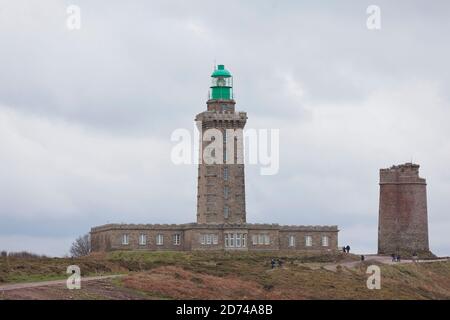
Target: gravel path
x: 27, y: 285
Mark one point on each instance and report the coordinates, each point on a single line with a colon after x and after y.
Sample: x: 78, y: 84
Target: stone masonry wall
x: 403, y: 218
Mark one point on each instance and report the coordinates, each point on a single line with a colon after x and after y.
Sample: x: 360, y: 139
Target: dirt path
x: 375, y: 258
x: 28, y: 285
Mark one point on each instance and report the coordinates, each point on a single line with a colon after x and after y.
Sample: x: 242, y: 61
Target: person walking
x: 272, y: 262
x: 393, y: 257
x: 347, y: 248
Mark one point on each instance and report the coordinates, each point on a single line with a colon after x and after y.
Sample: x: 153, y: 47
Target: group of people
x: 395, y: 257
x: 346, y: 249
x: 274, y: 262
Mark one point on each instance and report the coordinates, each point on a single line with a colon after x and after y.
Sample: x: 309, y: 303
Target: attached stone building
x: 193, y: 236
x: 221, y: 210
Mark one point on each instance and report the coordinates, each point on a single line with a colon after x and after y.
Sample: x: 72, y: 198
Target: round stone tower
x: 403, y: 220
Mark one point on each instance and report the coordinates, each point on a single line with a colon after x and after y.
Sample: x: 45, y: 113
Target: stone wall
x: 403, y: 218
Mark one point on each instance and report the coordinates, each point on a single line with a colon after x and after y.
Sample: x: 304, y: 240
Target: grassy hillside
x: 222, y: 275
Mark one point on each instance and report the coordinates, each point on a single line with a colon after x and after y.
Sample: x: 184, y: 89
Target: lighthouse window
x: 225, y: 174
x: 226, y: 212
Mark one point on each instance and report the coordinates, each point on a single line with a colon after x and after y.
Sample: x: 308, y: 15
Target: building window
x: 235, y: 240
x: 142, y: 239
x: 260, y: 239
x: 209, y: 239
x: 225, y: 173
x: 160, y: 239
x: 308, y: 241
x: 125, y: 239
x: 238, y: 240
x: 325, y: 241
x: 176, y: 239
x: 226, y: 192
x: 291, y: 241
x: 227, y: 240
x: 231, y: 240
x: 226, y: 212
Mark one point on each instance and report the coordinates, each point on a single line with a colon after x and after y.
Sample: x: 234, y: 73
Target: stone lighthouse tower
x: 403, y: 220
x: 221, y: 182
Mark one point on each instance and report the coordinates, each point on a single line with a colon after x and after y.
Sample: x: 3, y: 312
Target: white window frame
x: 215, y: 239
x: 208, y: 239
x: 291, y: 241
x: 325, y: 241
x: 237, y: 236
x: 125, y: 239
x: 260, y: 238
x: 176, y: 239
x: 308, y: 241
x: 202, y: 239
x: 159, y: 239
x: 227, y: 240
x: 142, y: 239
x: 244, y: 240
x: 225, y: 173
x: 255, y: 239
x: 266, y: 239
x: 231, y: 235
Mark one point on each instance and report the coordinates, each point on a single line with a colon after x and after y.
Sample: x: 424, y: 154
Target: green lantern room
x: 222, y: 84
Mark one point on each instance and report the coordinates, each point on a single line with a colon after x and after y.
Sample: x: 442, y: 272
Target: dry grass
x: 232, y: 275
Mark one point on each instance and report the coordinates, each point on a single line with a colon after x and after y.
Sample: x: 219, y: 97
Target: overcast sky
x: 86, y: 115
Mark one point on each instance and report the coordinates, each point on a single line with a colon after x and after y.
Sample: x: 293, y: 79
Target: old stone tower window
x: 325, y: 241
x: 125, y: 239
x: 160, y: 239
x: 226, y: 192
x: 291, y: 241
x: 308, y: 241
x: 142, y: 239
x: 226, y: 212
x: 225, y: 174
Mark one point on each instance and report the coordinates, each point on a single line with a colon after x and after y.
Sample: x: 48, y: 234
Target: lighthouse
x: 221, y: 184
